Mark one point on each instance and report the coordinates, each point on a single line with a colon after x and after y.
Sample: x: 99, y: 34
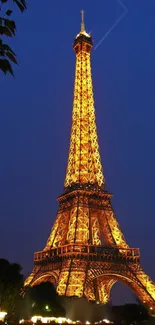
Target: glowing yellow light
x: 45, y: 320
x: 84, y: 163
x: 106, y: 321
x: 36, y: 318
x: 2, y: 315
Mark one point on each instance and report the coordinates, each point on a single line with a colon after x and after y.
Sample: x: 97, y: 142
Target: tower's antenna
x: 82, y: 21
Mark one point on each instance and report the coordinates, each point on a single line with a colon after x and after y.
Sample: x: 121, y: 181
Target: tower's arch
x: 40, y: 276
x: 51, y: 277
x: 140, y: 285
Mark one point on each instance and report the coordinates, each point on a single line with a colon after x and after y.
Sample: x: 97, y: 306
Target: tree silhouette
x: 41, y: 299
x: 8, y: 29
x: 11, y: 282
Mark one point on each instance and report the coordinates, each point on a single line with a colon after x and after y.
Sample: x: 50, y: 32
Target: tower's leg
x: 72, y: 278
x: 145, y: 289
x: 103, y: 287
x: 30, y: 278
x: 89, y: 292
x: 130, y: 274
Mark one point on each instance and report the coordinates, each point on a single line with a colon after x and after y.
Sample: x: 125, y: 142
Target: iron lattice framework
x: 86, y: 252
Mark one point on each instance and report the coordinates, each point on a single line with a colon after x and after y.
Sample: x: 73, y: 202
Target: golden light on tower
x: 86, y: 252
x: 84, y: 162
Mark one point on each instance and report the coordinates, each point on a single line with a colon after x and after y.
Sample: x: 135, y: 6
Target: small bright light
x: 21, y: 321
x: 87, y: 322
x: 2, y: 315
x: 151, y: 308
x: 36, y: 318
x: 45, y: 320
x: 106, y: 321
x: 47, y: 307
x: 97, y: 302
x: 60, y: 320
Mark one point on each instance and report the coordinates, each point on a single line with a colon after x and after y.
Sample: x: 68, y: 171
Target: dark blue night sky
x: 35, y: 121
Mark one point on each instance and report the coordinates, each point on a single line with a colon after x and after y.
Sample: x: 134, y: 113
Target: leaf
x: 8, y: 12
x: 6, y: 47
x: 10, y: 22
x: 5, y: 31
x: 11, y: 25
x: 11, y: 57
x: 5, y: 66
x: 21, y: 5
x: 24, y: 3
x: 2, y: 53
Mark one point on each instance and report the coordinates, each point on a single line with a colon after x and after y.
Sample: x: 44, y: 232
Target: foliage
x: 11, y: 282
x: 129, y: 313
x: 8, y: 29
x: 42, y: 299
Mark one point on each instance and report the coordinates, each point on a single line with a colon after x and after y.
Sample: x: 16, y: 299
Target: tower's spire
x: 82, y: 21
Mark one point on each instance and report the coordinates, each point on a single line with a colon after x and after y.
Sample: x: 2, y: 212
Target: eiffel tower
x: 86, y: 252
